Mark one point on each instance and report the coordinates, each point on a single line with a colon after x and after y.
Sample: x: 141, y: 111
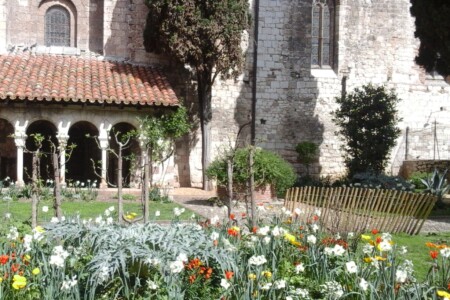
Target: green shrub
x: 381, y: 181
x: 416, y: 179
x: 268, y: 168
x: 367, y: 120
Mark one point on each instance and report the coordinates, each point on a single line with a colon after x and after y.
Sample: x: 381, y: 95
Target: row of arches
x: 84, y: 161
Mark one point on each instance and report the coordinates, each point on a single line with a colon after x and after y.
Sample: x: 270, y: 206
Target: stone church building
x: 71, y: 68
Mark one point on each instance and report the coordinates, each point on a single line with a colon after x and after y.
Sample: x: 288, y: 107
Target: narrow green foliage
x: 268, y: 168
x: 367, y: 119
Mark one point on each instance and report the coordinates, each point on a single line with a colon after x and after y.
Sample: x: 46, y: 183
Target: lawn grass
x: 21, y: 211
x: 418, y: 252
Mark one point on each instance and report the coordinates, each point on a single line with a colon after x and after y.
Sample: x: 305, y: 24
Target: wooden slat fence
x: 349, y: 209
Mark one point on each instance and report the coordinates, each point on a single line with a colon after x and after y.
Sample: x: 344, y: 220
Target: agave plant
x: 437, y: 185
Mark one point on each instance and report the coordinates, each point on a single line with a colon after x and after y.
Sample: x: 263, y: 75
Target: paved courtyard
x: 196, y: 200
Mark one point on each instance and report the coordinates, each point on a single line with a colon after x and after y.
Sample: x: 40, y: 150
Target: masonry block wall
x: 374, y: 43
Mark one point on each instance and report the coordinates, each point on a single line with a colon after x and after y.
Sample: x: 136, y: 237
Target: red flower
x: 374, y: 231
x: 229, y: 275
x: 434, y: 254
x: 232, y: 216
x: 233, y: 232
x: 315, y: 217
x: 378, y: 240
x: 243, y: 215
x: 4, y: 259
x: 192, y: 278
x: 254, y: 229
x: 15, y: 268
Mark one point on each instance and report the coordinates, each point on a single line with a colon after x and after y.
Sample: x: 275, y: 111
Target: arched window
x: 57, y: 26
x: 322, y: 35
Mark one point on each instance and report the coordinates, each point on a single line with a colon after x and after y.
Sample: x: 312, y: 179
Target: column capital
x: 20, y: 133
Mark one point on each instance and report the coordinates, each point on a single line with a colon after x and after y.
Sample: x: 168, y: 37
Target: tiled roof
x: 76, y: 79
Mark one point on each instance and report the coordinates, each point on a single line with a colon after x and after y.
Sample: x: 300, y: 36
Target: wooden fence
x: 348, y: 209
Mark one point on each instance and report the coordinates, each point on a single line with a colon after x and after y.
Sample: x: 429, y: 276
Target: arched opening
x: 80, y: 165
x: 130, y: 155
x: 8, y: 151
x: 48, y: 131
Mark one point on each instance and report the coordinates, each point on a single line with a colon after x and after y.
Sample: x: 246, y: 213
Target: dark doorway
x: 130, y: 156
x: 48, y: 132
x: 8, y: 151
x: 86, y: 154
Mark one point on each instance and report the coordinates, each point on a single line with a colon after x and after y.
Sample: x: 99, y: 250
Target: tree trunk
x: 146, y: 185
x: 119, y: 186
x: 34, y: 192
x: 252, y: 186
x: 204, y: 98
x: 230, y: 184
x: 57, y: 189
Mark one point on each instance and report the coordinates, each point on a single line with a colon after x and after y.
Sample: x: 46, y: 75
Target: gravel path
x: 196, y: 200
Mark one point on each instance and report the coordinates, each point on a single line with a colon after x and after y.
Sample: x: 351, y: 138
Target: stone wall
x: 374, y: 43
x: 411, y: 166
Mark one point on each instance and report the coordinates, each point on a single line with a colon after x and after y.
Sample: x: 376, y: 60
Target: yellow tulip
x: 443, y: 294
x: 19, y: 282
x: 365, y: 237
x: 251, y: 276
x: 36, y: 271
x: 368, y: 259
x: 39, y: 229
x: 289, y: 237
x: 267, y: 274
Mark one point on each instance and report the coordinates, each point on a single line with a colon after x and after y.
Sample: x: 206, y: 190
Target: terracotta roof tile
x: 77, y: 79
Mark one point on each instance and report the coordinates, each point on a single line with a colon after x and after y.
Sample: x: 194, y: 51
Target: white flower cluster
x: 337, y: 250
x: 404, y: 271
x: 277, y: 231
x: 13, y: 233
x: 70, y: 283
x: 58, y: 256
x: 153, y: 262
x: 311, y: 239
x: 445, y: 252
x: 280, y: 284
x: 257, y: 260
x: 300, y: 268
x: 108, y: 211
x: 178, y: 211
x: 152, y: 285
x: 300, y: 293
x: 363, y: 284
x: 178, y: 265
x: 286, y: 212
x: 28, y: 238
x: 351, y: 267
x: 332, y: 289
x: 224, y: 283
x: 55, y: 220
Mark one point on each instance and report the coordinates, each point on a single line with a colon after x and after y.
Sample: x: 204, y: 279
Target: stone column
x: 63, y: 137
x: 103, y: 139
x: 19, y: 139
x: 62, y: 140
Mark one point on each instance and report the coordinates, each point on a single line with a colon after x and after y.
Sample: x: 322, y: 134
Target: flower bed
x: 280, y: 258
